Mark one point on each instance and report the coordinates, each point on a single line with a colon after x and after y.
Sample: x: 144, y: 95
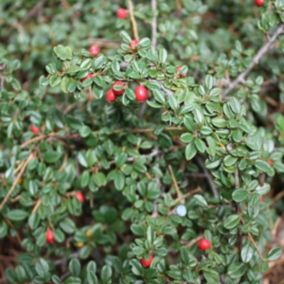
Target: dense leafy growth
x: 138, y: 142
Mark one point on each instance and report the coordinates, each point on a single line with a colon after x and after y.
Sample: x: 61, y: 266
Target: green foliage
x: 135, y: 163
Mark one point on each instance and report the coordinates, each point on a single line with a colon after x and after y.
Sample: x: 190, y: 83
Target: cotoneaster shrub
x: 137, y: 145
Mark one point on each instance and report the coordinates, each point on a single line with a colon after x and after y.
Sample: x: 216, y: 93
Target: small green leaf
x: 190, y: 151
x: 100, y: 179
x: 42, y: 268
x: 247, y: 253
x: 186, y: 138
x: 240, y: 195
x: 264, y: 167
x: 200, y: 200
x: 52, y: 156
x: 232, y: 222
x: 63, y: 52
x: 274, y: 253
x: 75, y: 267
x: 17, y: 215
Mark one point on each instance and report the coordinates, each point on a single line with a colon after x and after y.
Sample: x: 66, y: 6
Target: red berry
x: 141, y: 93
x: 80, y: 196
x: 110, y: 96
x: 121, y: 13
x: 89, y: 76
x: 181, y: 75
x: 49, y: 236
x: 259, y: 3
x: 134, y: 44
x: 147, y: 262
x: 121, y: 88
x: 34, y: 129
x: 94, y: 50
x: 270, y: 162
x: 204, y: 244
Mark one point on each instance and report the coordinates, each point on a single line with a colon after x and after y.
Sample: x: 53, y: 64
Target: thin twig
x: 178, y: 5
x: 278, y: 196
x: 155, y: 153
x: 209, y: 178
x: 154, y: 24
x: 179, y: 195
x: 237, y: 179
x: 34, y: 11
x: 255, y: 245
x: 256, y: 59
x: 16, y: 181
x: 36, y: 139
x: 145, y: 130
x: 167, y: 91
x: 37, y: 205
x: 192, y: 242
x: 188, y: 194
x: 133, y: 20
x: 50, y: 135
x: 238, y: 208
x: 142, y: 110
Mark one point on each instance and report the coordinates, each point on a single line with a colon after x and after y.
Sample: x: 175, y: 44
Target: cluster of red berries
x: 203, y: 244
x: 118, y: 88
x: 94, y: 49
x: 259, y: 3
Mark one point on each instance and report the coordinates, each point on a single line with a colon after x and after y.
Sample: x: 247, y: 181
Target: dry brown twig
x: 16, y: 181
x: 179, y: 194
x: 133, y: 20
x: 36, y: 139
x: 37, y: 205
x: 256, y: 247
x: 192, y: 242
x: 256, y: 59
x: 154, y: 24
x: 209, y: 178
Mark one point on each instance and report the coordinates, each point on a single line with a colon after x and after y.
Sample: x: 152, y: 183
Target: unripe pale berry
x: 110, y: 96
x: 34, y: 129
x: 134, y: 44
x: 259, y: 3
x: 121, y: 13
x: 204, y: 244
x: 49, y: 236
x: 146, y: 262
x: 94, y: 50
x: 80, y: 196
x: 141, y: 93
x: 121, y: 88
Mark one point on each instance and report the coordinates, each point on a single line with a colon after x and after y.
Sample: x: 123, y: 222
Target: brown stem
x: 255, y: 245
x: 16, y: 181
x: 256, y: 59
x: 179, y: 195
x: 133, y: 20
x: 154, y: 24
